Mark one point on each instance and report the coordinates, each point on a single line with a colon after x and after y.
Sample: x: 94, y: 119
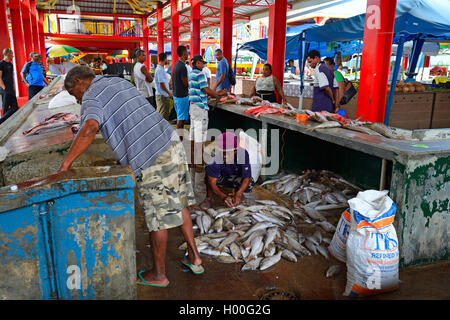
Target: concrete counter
x: 418, y: 179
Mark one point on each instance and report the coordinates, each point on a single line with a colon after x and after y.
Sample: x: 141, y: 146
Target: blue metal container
x: 69, y: 236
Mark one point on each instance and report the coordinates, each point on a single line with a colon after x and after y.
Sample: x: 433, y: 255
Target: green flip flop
x: 145, y: 283
x: 198, y: 269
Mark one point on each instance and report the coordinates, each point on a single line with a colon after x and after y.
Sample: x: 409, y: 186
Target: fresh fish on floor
x: 328, y: 227
x: 288, y: 255
x: 311, y: 246
x: 252, y: 264
x: 333, y: 270
x: 268, y: 262
x: 323, y: 251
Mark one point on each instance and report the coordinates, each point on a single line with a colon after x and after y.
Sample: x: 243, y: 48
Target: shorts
x: 165, y: 188
x: 163, y: 106
x: 199, y: 124
x: 234, y: 182
x: 182, y: 108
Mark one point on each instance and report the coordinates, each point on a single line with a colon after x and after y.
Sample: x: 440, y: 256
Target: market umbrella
x: 61, y: 50
x: 119, y: 54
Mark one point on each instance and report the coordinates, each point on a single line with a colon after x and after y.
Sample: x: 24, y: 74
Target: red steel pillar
x: 27, y: 31
x: 34, y: 26
x: 175, y: 29
x: 277, y: 38
x: 376, y: 54
x: 145, y: 32
x: 195, y: 29
x: 226, y: 28
x: 116, y: 26
x: 42, y: 38
x: 426, y: 62
x: 160, y: 28
x: 18, y: 41
x: 4, y: 32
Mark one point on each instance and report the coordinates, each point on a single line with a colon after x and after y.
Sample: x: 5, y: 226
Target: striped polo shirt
x: 134, y: 130
x: 197, y: 82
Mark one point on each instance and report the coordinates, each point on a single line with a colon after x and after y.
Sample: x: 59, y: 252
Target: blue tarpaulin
x: 425, y: 19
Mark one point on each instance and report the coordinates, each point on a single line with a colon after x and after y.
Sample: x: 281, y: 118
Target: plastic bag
x: 338, y: 245
x: 372, y: 245
x: 62, y: 99
x: 254, y: 150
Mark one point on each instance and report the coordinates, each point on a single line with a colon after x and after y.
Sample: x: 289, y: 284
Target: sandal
x: 198, y: 269
x: 145, y: 283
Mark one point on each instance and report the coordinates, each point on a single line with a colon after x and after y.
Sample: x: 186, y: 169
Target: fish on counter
x: 58, y: 120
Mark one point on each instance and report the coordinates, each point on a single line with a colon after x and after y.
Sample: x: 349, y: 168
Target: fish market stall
x: 413, y: 166
x: 70, y: 235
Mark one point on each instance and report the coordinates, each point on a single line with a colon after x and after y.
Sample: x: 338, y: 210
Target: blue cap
x: 341, y: 112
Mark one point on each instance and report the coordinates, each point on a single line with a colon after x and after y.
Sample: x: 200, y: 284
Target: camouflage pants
x: 165, y: 188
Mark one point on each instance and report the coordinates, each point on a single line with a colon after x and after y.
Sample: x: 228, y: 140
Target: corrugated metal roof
x: 100, y: 6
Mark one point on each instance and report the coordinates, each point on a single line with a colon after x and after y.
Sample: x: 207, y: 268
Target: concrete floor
x: 304, y: 279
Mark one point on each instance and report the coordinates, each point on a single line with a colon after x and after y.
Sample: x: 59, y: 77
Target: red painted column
x: 42, y: 38
x: 175, y: 29
x: 226, y: 28
x: 34, y: 26
x: 116, y: 26
x: 4, y: 32
x: 18, y: 42
x: 27, y: 31
x: 376, y: 54
x: 276, y: 45
x: 426, y: 62
x: 195, y: 29
x: 145, y: 32
x: 160, y: 28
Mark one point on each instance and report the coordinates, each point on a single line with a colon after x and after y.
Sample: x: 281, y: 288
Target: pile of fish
x: 257, y: 236
x: 314, y: 191
x: 333, y: 120
x: 58, y: 120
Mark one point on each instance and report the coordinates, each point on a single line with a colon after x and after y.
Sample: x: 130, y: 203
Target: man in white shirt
x: 142, y: 77
x: 207, y: 74
x: 163, y: 94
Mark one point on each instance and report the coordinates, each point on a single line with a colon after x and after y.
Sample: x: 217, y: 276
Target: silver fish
x: 326, y: 240
x: 225, y: 259
x: 270, y: 236
x: 328, y: 227
x: 248, y: 243
x: 311, y: 246
x: 183, y: 246
x: 218, y: 225
x: 301, y: 238
x: 227, y: 224
x: 236, y: 251
x: 333, y: 270
x: 313, y: 240
x: 267, y: 202
x: 325, y: 125
x: 268, y: 262
x: 206, y: 222
x: 323, y: 251
x: 289, y: 255
x: 198, y: 220
x: 314, y: 214
x: 258, y: 226
x: 214, y: 252
x: 223, y: 214
x: 213, y: 213
x: 297, y: 246
x: 228, y: 240
x: 244, y: 252
x: 318, y: 236
x: 215, y: 243
x: 270, y: 251
x: 252, y: 264
x: 268, y: 182
x: 257, y: 247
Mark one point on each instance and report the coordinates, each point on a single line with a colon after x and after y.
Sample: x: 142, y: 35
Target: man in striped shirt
x: 198, y: 110
x: 141, y: 138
